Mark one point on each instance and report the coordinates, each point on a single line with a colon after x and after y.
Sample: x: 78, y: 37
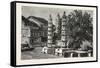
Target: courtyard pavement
x: 36, y: 54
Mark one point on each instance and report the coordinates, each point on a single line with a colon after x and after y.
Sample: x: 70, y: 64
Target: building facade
x: 33, y: 30
x: 38, y: 34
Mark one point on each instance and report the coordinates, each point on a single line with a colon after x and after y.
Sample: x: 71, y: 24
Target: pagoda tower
x: 58, y: 26
x: 63, y: 29
x: 49, y: 31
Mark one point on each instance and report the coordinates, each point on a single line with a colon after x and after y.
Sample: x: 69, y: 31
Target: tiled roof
x: 29, y: 23
x: 40, y: 21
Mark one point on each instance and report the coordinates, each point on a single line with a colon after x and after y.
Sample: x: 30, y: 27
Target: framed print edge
x: 13, y: 34
x: 97, y: 33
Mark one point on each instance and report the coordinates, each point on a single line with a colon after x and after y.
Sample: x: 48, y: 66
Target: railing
x: 65, y: 52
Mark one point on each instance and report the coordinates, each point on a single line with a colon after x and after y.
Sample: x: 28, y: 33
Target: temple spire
x: 50, y: 17
x: 58, y: 16
x: 64, y: 15
x: 63, y: 32
x: 50, y: 31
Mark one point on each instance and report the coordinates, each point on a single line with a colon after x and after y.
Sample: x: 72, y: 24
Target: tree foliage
x: 80, y: 26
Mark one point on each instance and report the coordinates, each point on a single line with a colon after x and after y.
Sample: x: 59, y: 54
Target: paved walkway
x: 36, y: 54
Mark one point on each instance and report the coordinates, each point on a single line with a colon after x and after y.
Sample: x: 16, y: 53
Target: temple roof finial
x: 50, y: 17
x: 64, y: 15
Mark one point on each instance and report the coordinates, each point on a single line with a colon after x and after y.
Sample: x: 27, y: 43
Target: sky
x: 45, y: 12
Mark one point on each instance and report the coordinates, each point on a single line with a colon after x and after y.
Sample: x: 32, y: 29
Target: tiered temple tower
x: 63, y: 29
x: 58, y: 26
x: 50, y: 31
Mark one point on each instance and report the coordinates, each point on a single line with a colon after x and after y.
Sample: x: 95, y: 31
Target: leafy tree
x: 80, y: 27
